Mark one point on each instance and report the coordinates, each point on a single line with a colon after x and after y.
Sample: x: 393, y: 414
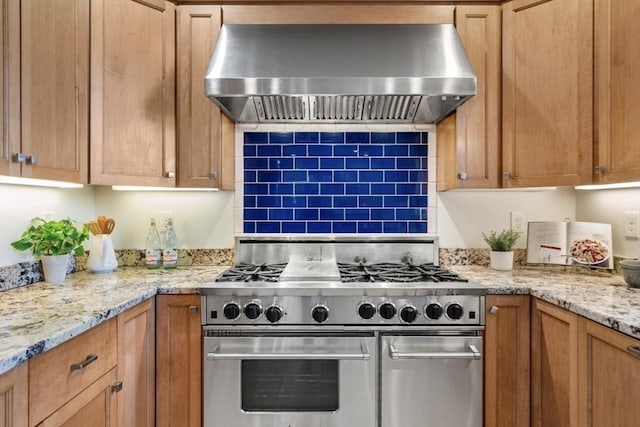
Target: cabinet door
x: 14, y: 395
x: 554, y: 371
x: 609, y: 364
x: 136, y: 365
x: 9, y: 86
x: 179, y: 361
x: 507, y: 369
x: 469, y: 140
x: 547, y: 62
x: 54, y: 88
x: 133, y: 92
x: 617, y: 71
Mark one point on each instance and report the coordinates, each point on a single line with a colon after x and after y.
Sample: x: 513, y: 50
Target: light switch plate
x: 631, y: 220
x: 517, y: 222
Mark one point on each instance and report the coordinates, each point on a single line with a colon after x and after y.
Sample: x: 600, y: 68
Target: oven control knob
x: 387, y: 310
x: 454, y: 311
x: 408, y: 314
x: 231, y: 311
x: 320, y: 313
x: 273, y: 313
x: 366, y: 310
x: 252, y: 310
x: 433, y: 311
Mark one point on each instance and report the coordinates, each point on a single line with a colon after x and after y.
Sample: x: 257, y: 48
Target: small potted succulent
x: 53, y: 241
x: 501, y: 244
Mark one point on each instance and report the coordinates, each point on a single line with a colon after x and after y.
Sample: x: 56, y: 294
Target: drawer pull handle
x: 634, y: 350
x: 193, y: 309
x: 89, y: 360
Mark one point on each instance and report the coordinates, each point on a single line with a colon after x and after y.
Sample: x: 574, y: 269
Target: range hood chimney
x: 339, y: 73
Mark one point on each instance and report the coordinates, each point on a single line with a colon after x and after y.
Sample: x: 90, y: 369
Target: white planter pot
x: 501, y: 260
x: 54, y: 267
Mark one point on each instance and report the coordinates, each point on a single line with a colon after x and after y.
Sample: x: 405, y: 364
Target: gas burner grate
x: 396, y: 272
x: 253, y: 273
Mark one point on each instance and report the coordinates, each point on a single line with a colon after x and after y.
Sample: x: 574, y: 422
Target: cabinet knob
x: 193, y: 309
x: 493, y: 309
x: 32, y: 160
x: 506, y: 175
x: 214, y: 175
x: 116, y: 387
x: 170, y: 174
x: 19, y: 157
x: 463, y: 176
x: 600, y: 169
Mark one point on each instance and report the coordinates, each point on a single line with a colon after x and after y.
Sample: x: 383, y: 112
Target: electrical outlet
x: 517, y: 222
x: 631, y: 220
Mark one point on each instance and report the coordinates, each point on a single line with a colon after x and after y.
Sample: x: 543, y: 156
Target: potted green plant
x: 501, y: 244
x: 53, y: 241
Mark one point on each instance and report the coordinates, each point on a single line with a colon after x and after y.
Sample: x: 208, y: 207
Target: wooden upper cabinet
x: 133, y: 92
x: 547, y: 61
x: 469, y: 140
x: 617, y: 72
x: 9, y: 86
x: 14, y: 395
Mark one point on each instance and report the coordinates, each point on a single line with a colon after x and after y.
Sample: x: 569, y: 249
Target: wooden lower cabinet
x: 179, y: 361
x: 14, y: 395
x: 507, y: 349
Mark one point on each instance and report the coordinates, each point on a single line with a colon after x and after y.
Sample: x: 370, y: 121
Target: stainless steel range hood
x: 339, y: 73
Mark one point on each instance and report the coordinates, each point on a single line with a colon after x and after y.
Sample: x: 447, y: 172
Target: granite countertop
x: 38, y: 317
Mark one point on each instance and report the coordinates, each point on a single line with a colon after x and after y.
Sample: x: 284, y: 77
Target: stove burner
x: 396, y: 272
x: 252, y: 273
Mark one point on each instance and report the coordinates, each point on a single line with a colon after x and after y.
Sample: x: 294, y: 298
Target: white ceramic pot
x: 501, y: 260
x: 55, y: 267
x: 102, y: 257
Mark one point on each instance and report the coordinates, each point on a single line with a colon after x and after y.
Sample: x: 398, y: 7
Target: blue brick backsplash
x: 335, y: 182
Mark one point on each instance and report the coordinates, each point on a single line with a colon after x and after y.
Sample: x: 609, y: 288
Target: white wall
x: 609, y: 206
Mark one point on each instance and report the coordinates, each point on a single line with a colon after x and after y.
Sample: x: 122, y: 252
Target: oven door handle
x: 473, y: 354
x: 218, y: 354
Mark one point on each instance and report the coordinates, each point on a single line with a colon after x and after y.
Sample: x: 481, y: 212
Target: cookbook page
x: 589, y: 244
x: 547, y: 242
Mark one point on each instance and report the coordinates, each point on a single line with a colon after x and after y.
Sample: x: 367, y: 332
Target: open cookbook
x: 586, y: 244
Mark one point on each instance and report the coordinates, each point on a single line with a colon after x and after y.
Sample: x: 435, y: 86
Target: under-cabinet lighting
x: 635, y: 184
x: 503, y: 190
x: 143, y: 188
x: 13, y: 180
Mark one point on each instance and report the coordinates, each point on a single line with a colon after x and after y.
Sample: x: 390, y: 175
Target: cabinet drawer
x: 58, y: 375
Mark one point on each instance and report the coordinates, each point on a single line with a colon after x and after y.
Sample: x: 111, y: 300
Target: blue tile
x: 268, y: 227
x: 269, y: 176
x: 417, y: 227
x: 383, y: 163
x: 332, y: 214
x: 383, y: 189
x: 369, y: 227
x: 425, y: 164
x: 424, y: 188
x: 396, y: 150
x: 345, y: 150
x: 345, y: 176
x: 306, y: 214
x: 307, y: 188
x: 249, y: 227
x: 294, y: 227
x: 418, y: 150
x: 370, y: 201
x: 332, y: 137
x: 357, y: 189
x: 423, y: 214
x: 358, y: 137
x: 356, y: 214
x: 345, y: 201
x: 382, y: 214
x: 280, y: 189
x: 417, y: 176
x: 319, y: 201
x: 412, y: 137
x: 337, y: 189
x: 269, y: 150
x: 249, y: 201
x: 256, y: 137
x: 370, y: 150
x: 318, y: 227
x: 306, y: 163
x: 250, y: 164
x: 357, y: 163
x: 394, y: 227
x: 280, y: 214
x: 371, y: 176
x: 410, y: 163
x: 294, y: 150
x: 250, y: 189
x: 249, y: 176
x: 396, y: 201
x: 383, y: 137
x: 331, y: 163
x: 269, y: 201
x: 320, y: 150
x: 418, y: 201
x: 255, y: 214
x: 281, y: 163
x: 396, y: 176
x: 425, y: 137
x: 294, y: 176
x: 320, y: 176
x: 294, y: 201
x: 307, y: 137
x: 408, y: 214
x: 408, y: 189
x: 281, y: 138
x: 344, y: 227
x: 249, y: 150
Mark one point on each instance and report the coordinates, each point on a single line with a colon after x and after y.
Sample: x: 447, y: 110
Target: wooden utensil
x: 109, y: 225
x: 94, y: 227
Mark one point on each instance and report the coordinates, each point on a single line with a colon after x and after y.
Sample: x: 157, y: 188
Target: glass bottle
x: 170, y: 248
x: 153, y: 252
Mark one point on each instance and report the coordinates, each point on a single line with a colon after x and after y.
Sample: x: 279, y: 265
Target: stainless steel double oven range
x: 341, y: 332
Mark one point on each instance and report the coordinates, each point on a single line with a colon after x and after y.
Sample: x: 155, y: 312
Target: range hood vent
x: 339, y: 73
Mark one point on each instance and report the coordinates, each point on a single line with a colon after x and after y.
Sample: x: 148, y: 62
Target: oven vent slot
x: 278, y: 107
x: 391, y: 107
